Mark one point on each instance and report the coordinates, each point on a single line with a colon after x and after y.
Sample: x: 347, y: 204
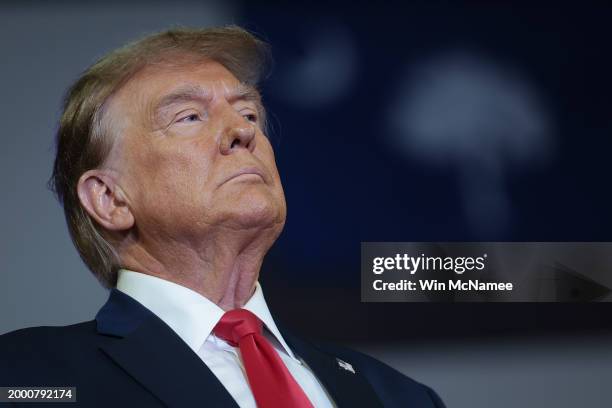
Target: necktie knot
x: 237, y: 324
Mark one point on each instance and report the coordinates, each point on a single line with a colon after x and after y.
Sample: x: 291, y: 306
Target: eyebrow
x: 194, y: 92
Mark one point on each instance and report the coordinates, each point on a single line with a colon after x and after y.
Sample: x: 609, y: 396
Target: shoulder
x: 44, y: 349
x: 25, y: 339
x: 393, y: 387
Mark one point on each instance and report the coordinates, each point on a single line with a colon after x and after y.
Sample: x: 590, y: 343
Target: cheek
x: 167, y: 173
x: 265, y: 153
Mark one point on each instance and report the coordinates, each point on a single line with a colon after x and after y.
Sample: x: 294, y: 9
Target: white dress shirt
x: 193, y: 317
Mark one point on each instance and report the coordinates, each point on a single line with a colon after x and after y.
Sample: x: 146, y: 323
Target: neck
x: 224, y: 267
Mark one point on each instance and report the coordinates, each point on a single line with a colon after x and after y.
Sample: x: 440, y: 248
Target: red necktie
x: 272, y: 384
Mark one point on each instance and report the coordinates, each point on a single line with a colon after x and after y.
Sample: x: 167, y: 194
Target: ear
x: 104, y: 200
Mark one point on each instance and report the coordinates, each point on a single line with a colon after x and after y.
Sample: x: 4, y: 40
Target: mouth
x: 247, y: 173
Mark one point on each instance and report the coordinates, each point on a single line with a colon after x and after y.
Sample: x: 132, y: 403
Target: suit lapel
x: 148, y: 350
x: 347, y: 387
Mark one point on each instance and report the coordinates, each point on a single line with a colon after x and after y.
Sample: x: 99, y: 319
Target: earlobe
x: 104, y: 202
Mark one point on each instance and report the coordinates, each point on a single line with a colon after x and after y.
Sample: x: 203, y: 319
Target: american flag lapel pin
x: 346, y: 366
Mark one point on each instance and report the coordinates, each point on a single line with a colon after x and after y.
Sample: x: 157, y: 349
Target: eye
x: 251, y: 117
x: 193, y: 117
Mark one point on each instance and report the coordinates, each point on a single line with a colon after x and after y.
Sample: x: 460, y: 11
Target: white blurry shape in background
x: 324, y: 72
x: 478, y: 117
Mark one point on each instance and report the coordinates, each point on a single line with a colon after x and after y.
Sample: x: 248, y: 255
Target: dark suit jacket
x: 129, y: 357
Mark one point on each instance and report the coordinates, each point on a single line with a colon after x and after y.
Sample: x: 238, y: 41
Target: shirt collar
x: 191, y: 315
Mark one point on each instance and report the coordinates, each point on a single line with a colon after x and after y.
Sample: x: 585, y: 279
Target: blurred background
x: 471, y: 121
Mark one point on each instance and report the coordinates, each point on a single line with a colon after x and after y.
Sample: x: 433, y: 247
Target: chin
x: 256, y: 211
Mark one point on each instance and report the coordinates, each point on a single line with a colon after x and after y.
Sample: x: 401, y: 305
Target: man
x: 172, y: 198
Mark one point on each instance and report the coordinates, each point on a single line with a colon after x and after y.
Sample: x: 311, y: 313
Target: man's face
x: 191, y: 154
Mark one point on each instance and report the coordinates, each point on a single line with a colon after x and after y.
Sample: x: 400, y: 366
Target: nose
x: 239, y: 133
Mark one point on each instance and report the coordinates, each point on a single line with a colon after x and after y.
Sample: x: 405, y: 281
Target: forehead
x: 148, y: 87
x: 154, y: 81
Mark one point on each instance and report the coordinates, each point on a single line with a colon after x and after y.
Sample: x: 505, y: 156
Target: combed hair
x: 84, y: 138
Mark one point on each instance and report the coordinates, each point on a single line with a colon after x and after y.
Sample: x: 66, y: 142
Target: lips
x: 245, y: 171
